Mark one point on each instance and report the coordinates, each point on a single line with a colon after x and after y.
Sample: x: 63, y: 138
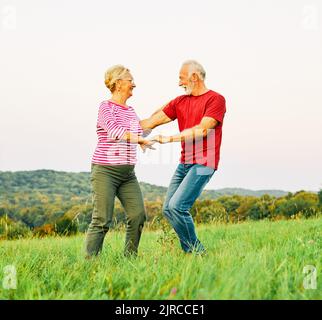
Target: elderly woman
x: 119, y: 132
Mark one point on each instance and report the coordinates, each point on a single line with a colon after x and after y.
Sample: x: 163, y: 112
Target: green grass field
x: 251, y: 260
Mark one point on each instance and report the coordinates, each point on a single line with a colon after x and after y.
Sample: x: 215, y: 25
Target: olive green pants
x: 109, y: 181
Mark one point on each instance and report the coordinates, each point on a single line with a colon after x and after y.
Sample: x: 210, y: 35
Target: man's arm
x: 198, y: 131
x: 157, y: 118
x: 156, y: 111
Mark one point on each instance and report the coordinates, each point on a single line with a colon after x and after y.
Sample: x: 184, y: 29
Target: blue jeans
x: 185, y: 187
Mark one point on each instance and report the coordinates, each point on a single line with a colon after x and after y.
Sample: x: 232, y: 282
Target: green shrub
x: 66, y: 226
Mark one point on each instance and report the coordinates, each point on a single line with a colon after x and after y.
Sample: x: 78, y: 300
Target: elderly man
x: 200, y: 114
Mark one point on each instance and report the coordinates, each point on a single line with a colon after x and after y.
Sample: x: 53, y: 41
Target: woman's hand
x: 146, y: 144
x: 146, y: 132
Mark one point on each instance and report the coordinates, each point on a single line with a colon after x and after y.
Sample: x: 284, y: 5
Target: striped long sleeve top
x: 112, y: 122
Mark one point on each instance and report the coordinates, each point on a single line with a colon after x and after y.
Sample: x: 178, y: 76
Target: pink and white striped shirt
x: 113, y: 121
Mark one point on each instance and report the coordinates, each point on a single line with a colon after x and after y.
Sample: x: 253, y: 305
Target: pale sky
x: 264, y: 56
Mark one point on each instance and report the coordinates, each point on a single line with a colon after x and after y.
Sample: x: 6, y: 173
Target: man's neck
x: 199, y: 89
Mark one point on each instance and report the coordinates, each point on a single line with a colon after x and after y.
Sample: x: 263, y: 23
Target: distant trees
x: 302, y: 203
x: 67, y: 218
x: 57, y: 203
x: 320, y: 198
x: 10, y: 229
x: 66, y: 226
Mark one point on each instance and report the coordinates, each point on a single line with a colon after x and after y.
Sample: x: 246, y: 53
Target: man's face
x: 184, y: 80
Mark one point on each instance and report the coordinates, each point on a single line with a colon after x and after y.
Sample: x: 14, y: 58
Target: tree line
x: 46, y: 202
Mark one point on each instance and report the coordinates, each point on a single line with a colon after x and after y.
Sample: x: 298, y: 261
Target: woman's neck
x: 119, y: 99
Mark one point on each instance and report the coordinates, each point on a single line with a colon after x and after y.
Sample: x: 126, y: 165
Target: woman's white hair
x: 195, y: 67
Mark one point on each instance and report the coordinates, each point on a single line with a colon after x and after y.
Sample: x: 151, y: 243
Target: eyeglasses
x: 131, y: 80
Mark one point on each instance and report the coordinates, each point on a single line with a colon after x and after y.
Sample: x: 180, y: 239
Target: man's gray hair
x: 195, y: 66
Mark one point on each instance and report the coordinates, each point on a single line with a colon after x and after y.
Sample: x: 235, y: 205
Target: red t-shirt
x: 189, y: 110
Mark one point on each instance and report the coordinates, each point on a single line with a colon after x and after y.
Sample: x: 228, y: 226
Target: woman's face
x: 127, y: 85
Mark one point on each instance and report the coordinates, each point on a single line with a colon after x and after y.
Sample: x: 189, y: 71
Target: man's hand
x: 161, y: 139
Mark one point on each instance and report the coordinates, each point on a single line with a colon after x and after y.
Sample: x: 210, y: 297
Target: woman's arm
x: 107, y: 122
x: 133, y: 138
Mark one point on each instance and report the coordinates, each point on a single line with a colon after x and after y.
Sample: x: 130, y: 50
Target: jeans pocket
x: 204, y: 171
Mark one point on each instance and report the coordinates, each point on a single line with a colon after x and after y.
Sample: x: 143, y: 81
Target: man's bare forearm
x: 199, y: 131
x: 186, y: 135
x: 189, y: 134
x: 155, y: 120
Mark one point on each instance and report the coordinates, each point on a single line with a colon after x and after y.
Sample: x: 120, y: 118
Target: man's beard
x: 189, y: 88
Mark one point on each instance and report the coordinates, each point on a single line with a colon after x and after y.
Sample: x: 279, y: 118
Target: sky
x: 263, y: 56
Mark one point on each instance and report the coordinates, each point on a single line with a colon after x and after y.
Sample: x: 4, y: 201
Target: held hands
x: 147, y: 144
